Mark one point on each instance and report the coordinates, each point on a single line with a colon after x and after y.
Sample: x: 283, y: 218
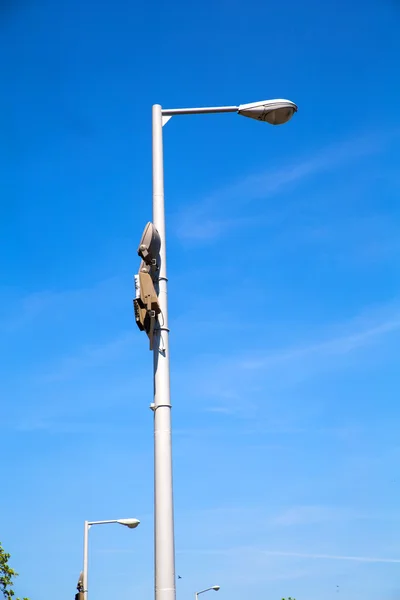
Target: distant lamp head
x: 150, y: 244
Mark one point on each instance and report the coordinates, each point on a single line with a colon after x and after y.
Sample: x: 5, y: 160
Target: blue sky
x: 283, y: 243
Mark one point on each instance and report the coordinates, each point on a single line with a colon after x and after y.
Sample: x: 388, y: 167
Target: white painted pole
x: 164, y: 545
x: 85, y: 559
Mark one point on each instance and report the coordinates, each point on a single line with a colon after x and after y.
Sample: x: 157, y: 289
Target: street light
x: 214, y: 587
x: 275, y: 112
x: 131, y: 523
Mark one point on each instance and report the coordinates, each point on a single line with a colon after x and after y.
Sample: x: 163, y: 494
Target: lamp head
x: 275, y: 112
x: 131, y: 523
x: 215, y: 588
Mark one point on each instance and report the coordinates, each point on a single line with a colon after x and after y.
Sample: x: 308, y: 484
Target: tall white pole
x: 85, y: 559
x: 164, y: 546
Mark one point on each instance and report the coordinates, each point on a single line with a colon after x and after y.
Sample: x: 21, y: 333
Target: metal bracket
x: 164, y: 120
x: 153, y: 407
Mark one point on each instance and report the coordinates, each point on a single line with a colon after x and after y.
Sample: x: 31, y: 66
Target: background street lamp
x: 131, y: 523
x: 275, y: 112
x: 214, y: 587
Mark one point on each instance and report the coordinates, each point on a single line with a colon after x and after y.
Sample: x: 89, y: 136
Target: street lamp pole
x: 164, y: 547
x: 275, y: 112
x: 131, y: 523
x: 85, y: 559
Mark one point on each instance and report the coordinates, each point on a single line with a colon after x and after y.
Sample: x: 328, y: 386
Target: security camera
x: 150, y: 244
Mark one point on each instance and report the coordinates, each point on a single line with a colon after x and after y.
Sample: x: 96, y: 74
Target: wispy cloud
x: 90, y: 356
x: 334, y: 346
x: 63, y: 426
x: 368, y: 559
x: 308, y: 515
x: 20, y: 311
x: 238, y: 381
x: 255, y: 550
x: 206, y: 219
